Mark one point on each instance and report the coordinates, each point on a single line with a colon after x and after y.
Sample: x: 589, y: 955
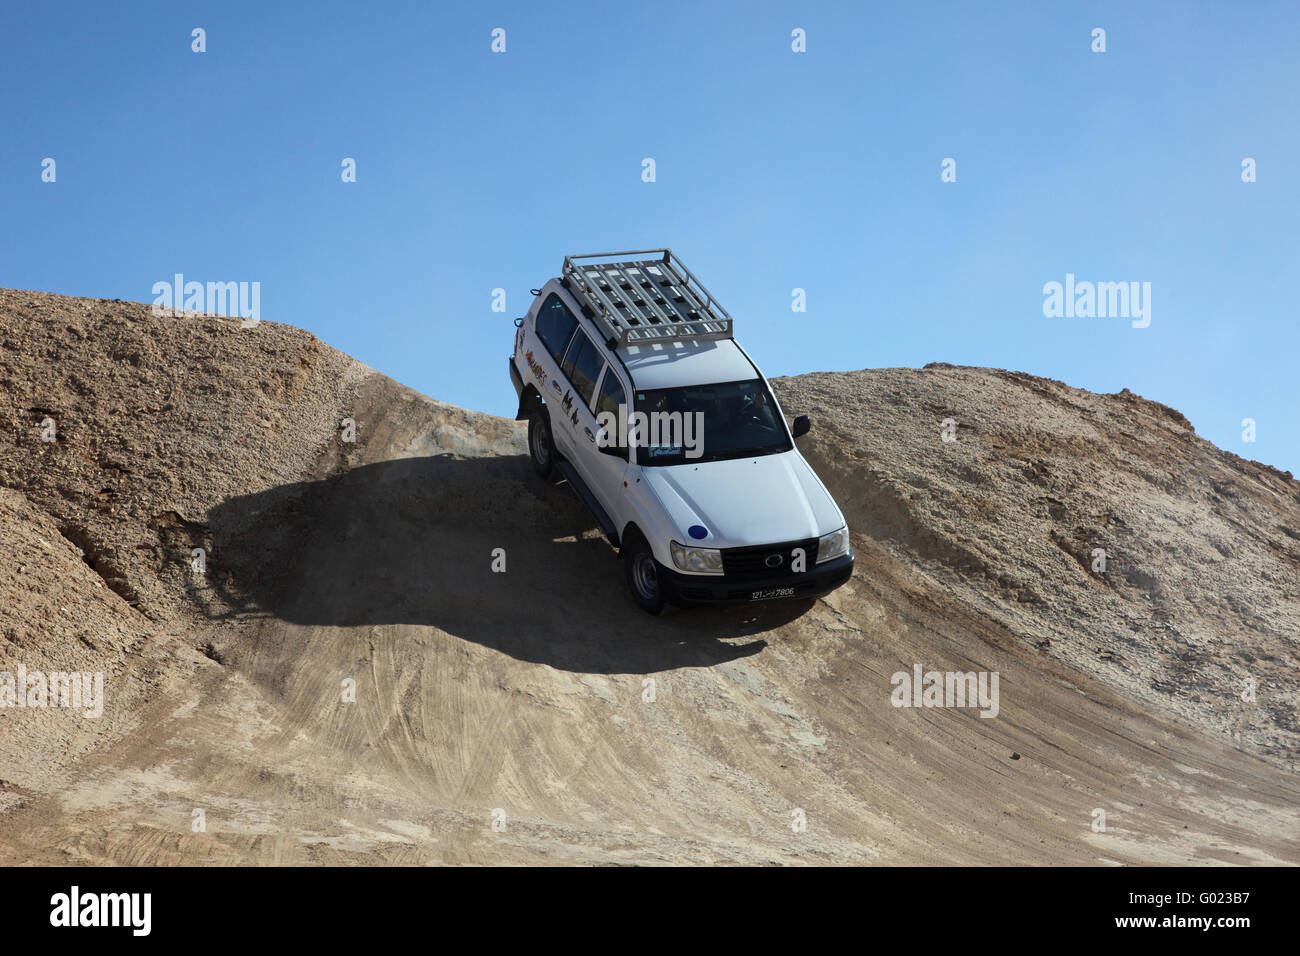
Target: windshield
x: 709, y: 423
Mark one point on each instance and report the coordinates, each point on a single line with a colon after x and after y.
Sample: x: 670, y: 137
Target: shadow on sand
x: 412, y: 542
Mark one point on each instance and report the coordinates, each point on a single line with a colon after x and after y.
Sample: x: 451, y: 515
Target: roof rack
x: 645, y: 301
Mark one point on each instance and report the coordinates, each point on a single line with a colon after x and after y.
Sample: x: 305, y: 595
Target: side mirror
x: 802, y: 424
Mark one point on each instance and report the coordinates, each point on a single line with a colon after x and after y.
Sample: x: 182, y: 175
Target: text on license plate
x: 768, y: 594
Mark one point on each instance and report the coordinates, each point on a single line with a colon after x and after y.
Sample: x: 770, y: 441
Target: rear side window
x: 581, y: 365
x: 555, y: 325
x: 611, y: 393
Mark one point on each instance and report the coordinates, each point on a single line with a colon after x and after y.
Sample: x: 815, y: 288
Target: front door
x: 608, y: 465
x: 572, y: 416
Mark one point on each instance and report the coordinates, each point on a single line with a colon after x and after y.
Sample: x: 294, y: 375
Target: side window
x: 611, y: 393
x: 608, y: 399
x: 581, y: 365
x: 555, y: 325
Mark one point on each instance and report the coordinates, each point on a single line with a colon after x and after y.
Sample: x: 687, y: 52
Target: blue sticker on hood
x: 697, y: 531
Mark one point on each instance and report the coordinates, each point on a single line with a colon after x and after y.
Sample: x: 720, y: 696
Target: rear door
x: 571, y: 420
x: 544, y: 352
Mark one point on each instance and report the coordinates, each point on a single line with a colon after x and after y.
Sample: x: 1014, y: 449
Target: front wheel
x: 643, y: 574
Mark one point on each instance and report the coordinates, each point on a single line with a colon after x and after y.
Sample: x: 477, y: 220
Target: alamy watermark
x: 130, y: 910
x: 1101, y: 300
x: 77, y: 690
x: 946, y: 689
x: 659, y: 433
x: 241, y: 300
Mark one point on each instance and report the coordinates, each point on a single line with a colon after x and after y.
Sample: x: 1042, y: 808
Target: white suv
x: 637, y: 394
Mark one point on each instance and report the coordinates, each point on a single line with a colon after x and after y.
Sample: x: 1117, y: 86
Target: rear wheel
x: 541, y: 449
x: 643, y: 574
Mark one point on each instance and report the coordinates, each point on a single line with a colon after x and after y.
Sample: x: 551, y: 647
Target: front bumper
x: 734, y: 589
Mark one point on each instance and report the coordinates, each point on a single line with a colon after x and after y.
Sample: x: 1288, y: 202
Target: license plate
x: 769, y: 594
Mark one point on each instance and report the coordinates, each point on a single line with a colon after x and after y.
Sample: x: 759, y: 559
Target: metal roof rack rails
x: 645, y: 301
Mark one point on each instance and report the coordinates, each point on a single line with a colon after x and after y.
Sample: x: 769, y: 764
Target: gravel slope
x: 525, y: 692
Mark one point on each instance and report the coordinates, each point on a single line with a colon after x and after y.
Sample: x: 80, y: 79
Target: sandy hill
x: 367, y: 564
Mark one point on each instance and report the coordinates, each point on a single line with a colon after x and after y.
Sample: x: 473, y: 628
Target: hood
x: 745, y: 501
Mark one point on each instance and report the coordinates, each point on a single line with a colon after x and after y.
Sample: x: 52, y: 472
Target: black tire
x: 541, y: 449
x: 644, y: 577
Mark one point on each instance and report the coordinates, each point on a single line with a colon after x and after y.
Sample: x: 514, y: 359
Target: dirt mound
x: 126, y: 428
x: 1200, y: 592
x: 345, y: 678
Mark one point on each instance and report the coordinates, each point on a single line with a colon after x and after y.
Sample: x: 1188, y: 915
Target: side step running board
x: 577, y: 484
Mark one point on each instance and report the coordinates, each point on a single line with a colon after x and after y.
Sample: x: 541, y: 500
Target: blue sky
x: 774, y: 170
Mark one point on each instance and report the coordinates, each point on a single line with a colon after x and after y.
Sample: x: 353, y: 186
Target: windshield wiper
x: 752, y: 451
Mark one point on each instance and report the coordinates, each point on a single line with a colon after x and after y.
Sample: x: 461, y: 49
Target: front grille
x: 752, y: 562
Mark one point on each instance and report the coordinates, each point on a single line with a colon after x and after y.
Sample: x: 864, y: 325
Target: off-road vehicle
x: 637, y: 394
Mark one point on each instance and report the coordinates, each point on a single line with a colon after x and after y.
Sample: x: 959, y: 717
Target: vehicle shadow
x: 418, y: 541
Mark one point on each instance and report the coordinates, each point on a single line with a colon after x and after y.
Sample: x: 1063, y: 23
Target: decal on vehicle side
x: 538, y: 372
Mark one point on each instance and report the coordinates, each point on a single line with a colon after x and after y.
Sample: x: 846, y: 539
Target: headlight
x: 833, y: 545
x: 699, y: 560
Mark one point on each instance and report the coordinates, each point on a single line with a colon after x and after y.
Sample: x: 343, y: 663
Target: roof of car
x: 675, y: 364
